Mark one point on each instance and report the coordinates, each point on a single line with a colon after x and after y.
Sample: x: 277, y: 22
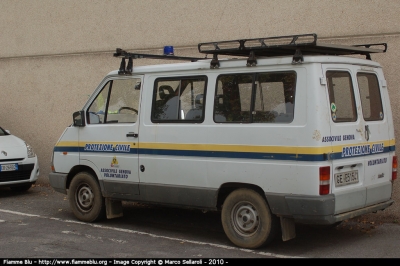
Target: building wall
x: 42, y: 27
x: 54, y: 53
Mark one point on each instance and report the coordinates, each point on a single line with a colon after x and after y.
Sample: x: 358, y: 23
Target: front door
x: 109, y: 141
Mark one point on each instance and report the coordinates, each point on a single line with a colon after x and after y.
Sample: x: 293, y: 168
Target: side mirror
x: 79, y: 118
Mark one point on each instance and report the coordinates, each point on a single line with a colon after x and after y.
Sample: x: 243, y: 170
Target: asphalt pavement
x: 39, y: 224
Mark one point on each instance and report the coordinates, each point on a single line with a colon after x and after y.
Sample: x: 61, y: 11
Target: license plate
x: 346, y: 178
x: 9, y: 167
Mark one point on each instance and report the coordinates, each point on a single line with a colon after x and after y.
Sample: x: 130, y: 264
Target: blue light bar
x: 168, y: 50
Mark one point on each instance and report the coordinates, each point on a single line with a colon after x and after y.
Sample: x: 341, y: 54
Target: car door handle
x: 132, y: 134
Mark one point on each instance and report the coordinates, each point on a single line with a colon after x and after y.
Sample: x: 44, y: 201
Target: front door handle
x: 132, y: 134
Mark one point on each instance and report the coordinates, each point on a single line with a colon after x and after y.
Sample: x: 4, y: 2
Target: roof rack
x: 127, y: 69
x: 296, y: 45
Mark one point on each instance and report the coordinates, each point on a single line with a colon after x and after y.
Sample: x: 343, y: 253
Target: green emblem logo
x: 333, y: 107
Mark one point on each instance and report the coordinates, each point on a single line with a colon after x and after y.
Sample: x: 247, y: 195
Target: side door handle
x: 367, y: 132
x: 132, y: 134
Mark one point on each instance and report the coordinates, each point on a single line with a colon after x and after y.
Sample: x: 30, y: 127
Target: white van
x: 296, y: 132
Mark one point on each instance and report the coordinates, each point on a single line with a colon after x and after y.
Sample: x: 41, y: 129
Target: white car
x: 19, y: 167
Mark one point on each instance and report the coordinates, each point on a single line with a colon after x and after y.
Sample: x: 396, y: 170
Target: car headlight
x: 30, y: 151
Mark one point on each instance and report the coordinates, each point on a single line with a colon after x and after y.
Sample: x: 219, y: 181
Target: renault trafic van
x: 284, y: 131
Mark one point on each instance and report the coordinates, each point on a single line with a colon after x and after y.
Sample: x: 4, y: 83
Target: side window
x: 341, y: 96
x: 370, y: 96
x: 256, y: 97
x: 233, y: 98
x: 118, y: 102
x: 97, y: 110
x: 179, y: 100
x: 274, y: 98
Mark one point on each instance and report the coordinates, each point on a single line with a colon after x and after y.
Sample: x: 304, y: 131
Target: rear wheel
x: 247, y: 220
x: 85, y: 198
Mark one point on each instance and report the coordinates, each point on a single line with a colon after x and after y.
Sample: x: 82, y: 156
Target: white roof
x: 236, y: 63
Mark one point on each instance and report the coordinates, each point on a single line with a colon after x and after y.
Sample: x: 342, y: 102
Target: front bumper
x: 28, y: 172
x: 59, y: 182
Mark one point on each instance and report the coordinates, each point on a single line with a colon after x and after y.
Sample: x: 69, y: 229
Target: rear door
x: 377, y: 165
x: 359, y: 136
x: 347, y: 138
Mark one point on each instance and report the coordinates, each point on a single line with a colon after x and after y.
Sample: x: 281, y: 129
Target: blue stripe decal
x: 131, y: 151
x: 232, y: 155
x: 82, y: 149
x: 338, y: 155
x: 66, y: 149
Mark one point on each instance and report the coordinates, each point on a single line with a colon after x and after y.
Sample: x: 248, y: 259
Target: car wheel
x: 247, y: 219
x: 21, y: 188
x: 85, y: 198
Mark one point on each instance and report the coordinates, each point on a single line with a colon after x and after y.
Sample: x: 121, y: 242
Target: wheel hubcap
x: 84, y: 197
x: 245, y: 219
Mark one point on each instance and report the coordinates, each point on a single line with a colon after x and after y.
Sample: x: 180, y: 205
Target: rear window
x: 370, y: 96
x: 341, y: 96
x: 255, y: 98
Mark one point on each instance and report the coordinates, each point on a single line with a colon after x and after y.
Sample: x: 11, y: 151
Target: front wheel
x: 247, y: 220
x: 85, y: 198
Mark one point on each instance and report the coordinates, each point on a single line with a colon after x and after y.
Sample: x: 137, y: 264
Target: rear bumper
x: 59, y: 182
x: 355, y: 213
x: 316, y: 209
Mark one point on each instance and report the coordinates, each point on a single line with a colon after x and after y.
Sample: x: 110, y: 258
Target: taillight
x: 324, y: 180
x: 52, y: 163
x: 394, y: 168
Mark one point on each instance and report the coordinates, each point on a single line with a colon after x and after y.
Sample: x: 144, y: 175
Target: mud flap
x: 113, y: 208
x: 288, y: 228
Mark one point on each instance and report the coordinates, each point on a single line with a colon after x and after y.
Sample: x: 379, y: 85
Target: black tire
x: 247, y: 219
x: 85, y: 198
x: 21, y: 188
